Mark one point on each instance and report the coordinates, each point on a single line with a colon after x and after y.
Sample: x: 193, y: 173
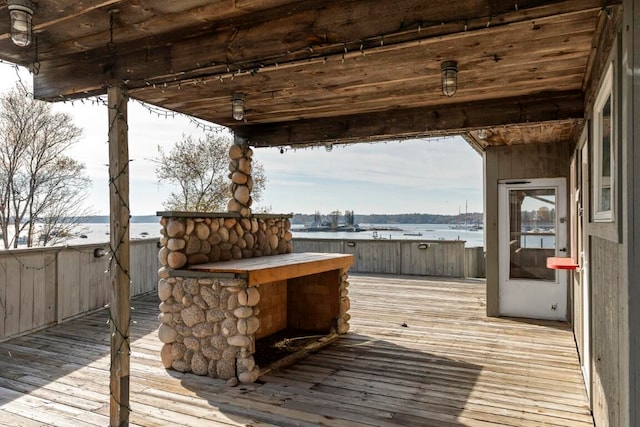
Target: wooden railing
x: 440, y: 258
x: 40, y: 287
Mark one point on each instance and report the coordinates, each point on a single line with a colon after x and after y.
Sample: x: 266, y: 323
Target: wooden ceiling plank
x: 198, y: 51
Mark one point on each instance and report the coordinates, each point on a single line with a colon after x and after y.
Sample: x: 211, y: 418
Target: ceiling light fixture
x: 237, y: 106
x: 21, y: 12
x: 449, y: 77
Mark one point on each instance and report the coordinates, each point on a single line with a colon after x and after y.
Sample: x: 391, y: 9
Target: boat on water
x: 412, y: 234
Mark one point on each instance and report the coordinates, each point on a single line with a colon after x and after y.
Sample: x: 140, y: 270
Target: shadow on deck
x: 420, y: 353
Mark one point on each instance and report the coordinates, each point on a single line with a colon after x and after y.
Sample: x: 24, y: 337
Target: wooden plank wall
x: 607, y: 334
x: 439, y: 258
x: 44, y: 286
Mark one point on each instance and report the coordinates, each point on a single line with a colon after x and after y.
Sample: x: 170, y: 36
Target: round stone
x: 199, y: 364
x: 176, y: 244
x: 244, y: 166
x: 193, y: 246
x: 235, y: 152
x: 211, y: 353
x: 167, y: 334
x: 163, y: 273
x: 191, y: 286
x: 232, y: 382
x: 243, y: 312
x: 238, y: 178
x: 242, y: 194
x: 202, y: 330
x: 224, y: 234
x: 249, y: 377
x: 226, y: 368
x: 273, y: 241
x: 162, y: 255
x: 178, y: 350
x: 165, y: 318
x: 209, y: 296
x: 192, y: 343
x: 197, y: 259
x: 190, y: 224
x: 202, y: 231
x: 164, y: 289
x: 242, y: 326
x: 175, y: 228
x: 246, y: 364
x: 253, y: 296
x: 250, y: 239
x: 193, y: 315
x: 239, y: 341
x: 229, y: 327
x: 233, y: 205
x: 176, y: 260
x: 214, y: 226
x: 166, y: 356
x: 215, y: 315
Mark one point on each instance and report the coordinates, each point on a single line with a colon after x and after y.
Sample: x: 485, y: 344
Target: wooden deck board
x: 449, y: 366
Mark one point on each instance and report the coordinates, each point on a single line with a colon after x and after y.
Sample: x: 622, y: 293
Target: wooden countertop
x: 278, y: 267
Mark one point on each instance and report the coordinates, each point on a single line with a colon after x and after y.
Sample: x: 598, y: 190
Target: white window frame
x: 605, y: 92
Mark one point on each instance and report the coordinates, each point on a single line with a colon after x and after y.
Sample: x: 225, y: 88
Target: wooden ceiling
x: 330, y: 70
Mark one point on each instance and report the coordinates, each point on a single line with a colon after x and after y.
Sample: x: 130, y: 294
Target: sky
x: 439, y: 176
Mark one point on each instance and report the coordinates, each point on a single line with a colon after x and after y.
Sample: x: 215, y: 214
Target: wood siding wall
x: 41, y: 287
x: 439, y: 258
x: 514, y: 162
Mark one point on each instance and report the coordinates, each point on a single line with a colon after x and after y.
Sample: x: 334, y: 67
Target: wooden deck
x: 420, y: 353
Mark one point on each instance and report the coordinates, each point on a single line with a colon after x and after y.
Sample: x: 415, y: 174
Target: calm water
x: 98, y: 233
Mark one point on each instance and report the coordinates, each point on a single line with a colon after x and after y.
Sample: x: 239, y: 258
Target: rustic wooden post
x: 119, y: 266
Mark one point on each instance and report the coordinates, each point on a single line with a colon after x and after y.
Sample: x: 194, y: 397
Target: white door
x: 532, y: 227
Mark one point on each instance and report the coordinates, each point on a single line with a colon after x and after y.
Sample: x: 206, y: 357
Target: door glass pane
x: 532, y: 233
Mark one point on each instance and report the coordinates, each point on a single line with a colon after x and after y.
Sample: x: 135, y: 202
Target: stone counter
x: 211, y: 315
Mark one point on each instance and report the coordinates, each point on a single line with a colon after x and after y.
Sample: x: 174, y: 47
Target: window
x: 603, y: 150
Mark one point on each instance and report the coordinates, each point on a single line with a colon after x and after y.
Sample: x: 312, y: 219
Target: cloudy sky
x: 428, y: 176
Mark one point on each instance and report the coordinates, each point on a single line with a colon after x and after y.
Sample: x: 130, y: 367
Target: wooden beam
x: 417, y: 122
x: 119, y: 266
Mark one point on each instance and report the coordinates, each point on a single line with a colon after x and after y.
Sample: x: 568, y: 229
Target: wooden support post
x: 119, y: 266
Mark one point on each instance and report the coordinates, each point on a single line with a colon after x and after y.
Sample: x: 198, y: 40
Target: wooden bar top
x: 278, y: 267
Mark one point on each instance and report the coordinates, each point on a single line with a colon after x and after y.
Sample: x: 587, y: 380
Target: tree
x: 334, y: 217
x: 349, y: 217
x: 41, y: 189
x: 199, y: 169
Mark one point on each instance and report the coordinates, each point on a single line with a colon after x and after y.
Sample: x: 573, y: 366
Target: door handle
x: 562, y: 250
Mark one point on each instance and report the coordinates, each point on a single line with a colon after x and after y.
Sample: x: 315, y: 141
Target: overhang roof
x: 331, y: 70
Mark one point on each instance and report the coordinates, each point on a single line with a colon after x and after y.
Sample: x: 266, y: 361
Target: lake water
x: 99, y: 233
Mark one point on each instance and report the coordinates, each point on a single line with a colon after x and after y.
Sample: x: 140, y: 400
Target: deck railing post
x: 120, y: 263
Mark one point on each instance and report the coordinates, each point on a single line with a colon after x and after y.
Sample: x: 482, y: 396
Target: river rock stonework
x: 191, y: 240
x: 241, y: 180
x: 209, y: 325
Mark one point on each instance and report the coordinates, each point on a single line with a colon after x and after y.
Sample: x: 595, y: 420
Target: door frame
x: 583, y: 261
x: 523, y: 297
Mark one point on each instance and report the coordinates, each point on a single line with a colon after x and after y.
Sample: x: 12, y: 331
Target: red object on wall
x: 561, y: 263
